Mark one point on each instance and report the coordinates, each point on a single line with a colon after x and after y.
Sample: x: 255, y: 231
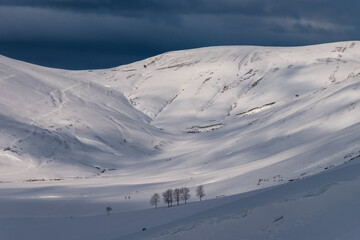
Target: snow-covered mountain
x: 236, y: 119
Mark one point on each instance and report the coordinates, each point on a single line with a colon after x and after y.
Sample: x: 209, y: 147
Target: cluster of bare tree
x: 176, y: 195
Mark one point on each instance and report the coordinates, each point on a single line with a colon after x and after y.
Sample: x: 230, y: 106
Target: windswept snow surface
x: 277, y: 126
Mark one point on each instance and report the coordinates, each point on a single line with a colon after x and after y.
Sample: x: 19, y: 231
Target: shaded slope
x: 318, y: 207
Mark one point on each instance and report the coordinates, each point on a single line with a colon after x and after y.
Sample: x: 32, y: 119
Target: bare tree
x: 155, y: 200
x: 168, y: 197
x: 176, y: 195
x: 200, y: 191
x: 108, y: 209
x: 185, y: 194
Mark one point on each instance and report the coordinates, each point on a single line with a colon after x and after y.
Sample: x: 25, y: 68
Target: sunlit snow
x: 272, y: 133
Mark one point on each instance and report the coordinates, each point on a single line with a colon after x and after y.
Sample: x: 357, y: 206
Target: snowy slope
x: 318, y: 207
x: 49, y: 119
x: 236, y: 119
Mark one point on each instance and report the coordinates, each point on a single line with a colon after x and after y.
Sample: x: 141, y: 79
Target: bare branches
x: 200, y: 191
x: 176, y: 195
x: 185, y: 194
x: 168, y: 197
x: 155, y: 199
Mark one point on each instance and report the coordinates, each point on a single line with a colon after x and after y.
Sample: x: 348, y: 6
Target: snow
x: 273, y: 131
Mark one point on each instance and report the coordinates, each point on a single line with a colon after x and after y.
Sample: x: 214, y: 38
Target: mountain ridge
x: 271, y: 133
x: 266, y: 106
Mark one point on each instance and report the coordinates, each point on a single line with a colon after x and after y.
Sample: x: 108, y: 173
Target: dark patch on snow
x: 208, y: 128
x: 130, y: 76
x: 180, y: 65
x: 256, y: 83
x: 293, y: 179
x: 331, y: 166
x: 277, y: 178
x: 256, y: 108
x: 339, y: 49
x: 278, y: 218
x: 352, y: 156
x: 36, y: 180
x: 207, y: 79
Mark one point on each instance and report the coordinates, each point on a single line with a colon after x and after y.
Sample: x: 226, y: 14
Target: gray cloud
x: 128, y: 30
x: 295, y: 8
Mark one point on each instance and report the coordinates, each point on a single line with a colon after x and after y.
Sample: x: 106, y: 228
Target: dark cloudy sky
x: 79, y: 34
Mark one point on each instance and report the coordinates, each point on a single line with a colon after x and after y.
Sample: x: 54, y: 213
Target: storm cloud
x: 96, y: 34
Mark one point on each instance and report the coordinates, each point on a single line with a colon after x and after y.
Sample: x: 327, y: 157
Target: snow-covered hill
x: 236, y: 119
